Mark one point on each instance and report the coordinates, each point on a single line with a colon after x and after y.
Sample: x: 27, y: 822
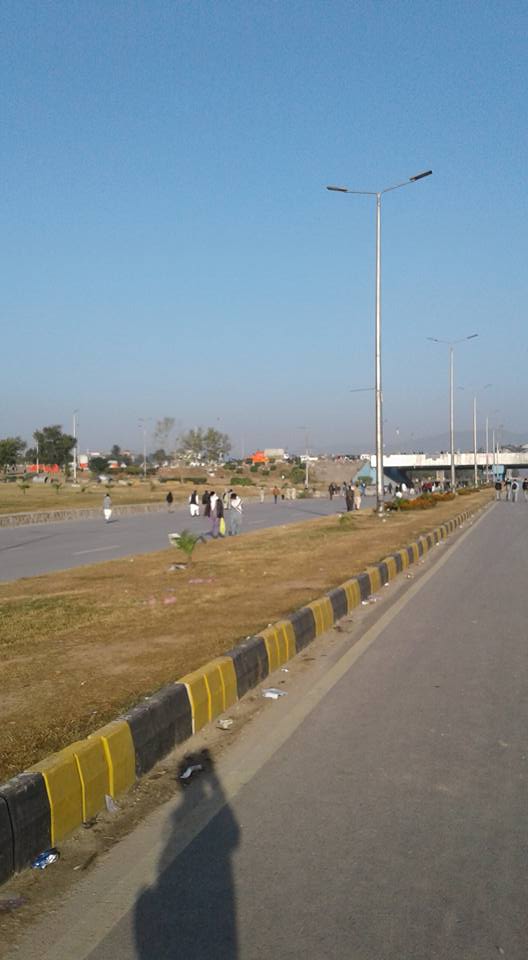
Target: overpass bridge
x: 498, y: 462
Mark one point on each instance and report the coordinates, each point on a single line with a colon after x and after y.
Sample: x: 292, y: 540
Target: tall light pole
x: 75, y: 412
x: 452, y: 344
x: 306, y: 463
x: 377, y: 338
x: 142, y: 424
x: 476, y: 391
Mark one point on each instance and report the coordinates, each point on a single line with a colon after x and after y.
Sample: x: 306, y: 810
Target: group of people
x: 511, y: 487
x: 351, y: 493
x: 224, y: 512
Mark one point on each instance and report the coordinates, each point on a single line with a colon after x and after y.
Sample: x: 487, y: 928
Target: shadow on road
x: 191, y: 909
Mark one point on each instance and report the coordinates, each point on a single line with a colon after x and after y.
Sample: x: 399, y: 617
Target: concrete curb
x: 74, y: 513
x: 42, y: 806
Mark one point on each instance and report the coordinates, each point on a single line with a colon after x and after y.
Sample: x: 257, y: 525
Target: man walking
x: 235, y: 515
x: 498, y: 489
x: 194, y: 505
x: 169, y: 498
x: 514, y: 490
x: 275, y: 493
x: 525, y: 489
x: 107, y: 507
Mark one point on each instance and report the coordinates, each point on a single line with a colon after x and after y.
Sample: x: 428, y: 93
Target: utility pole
x: 75, y: 412
x: 475, y: 465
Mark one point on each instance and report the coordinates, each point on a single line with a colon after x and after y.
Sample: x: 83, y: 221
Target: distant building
x: 275, y: 453
x: 259, y: 457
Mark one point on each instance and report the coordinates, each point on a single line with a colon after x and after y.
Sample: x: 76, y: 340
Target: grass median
x: 78, y: 647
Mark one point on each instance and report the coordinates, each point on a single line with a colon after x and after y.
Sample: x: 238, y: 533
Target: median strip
x: 47, y: 803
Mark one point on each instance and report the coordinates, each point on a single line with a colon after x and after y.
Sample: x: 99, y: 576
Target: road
x: 28, y: 551
x: 376, y: 813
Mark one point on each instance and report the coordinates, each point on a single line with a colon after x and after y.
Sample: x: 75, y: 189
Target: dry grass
x: 78, y: 647
x: 45, y: 497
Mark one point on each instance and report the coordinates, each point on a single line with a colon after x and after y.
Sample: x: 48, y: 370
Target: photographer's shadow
x: 191, y: 910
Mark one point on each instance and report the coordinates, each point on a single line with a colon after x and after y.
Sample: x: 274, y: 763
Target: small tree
x: 185, y: 541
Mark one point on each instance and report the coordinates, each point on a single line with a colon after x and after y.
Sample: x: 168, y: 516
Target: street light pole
x: 75, y: 412
x: 142, y: 424
x: 451, y: 344
x: 475, y: 466
x: 377, y: 336
x: 487, y: 449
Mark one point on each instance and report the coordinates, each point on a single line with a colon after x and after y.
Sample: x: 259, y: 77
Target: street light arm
x: 361, y: 193
x: 405, y: 183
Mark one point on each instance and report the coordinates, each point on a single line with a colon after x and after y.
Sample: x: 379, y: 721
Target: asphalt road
x: 28, y: 551
x: 376, y: 813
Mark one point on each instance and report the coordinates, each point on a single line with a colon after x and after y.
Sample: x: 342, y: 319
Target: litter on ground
x: 44, y: 859
x: 111, y: 805
x: 225, y: 724
x: 272, y: 693
x: 188, y: 773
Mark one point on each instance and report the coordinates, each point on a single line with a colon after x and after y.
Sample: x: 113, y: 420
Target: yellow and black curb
x: 43, y: 805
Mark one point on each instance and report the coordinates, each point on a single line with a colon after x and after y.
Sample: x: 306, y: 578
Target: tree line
x: 52, y: 445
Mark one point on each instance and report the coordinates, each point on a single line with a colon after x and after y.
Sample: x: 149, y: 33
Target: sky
x: 169, y: 249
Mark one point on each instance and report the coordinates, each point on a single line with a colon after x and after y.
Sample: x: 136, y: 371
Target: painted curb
x: 42, y: 806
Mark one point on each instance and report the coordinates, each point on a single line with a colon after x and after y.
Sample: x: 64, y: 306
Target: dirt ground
x: 78, y: 647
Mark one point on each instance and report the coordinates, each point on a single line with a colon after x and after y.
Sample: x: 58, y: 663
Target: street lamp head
x: 472, y: 336
x: 338, y: 189
x: 420, y: 176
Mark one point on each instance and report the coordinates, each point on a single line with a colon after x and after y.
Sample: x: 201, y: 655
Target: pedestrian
x: 349, y: 498
x: 514, y: 490
x: 261, y: 494
x: 508, y: 489
x: 389, y: 488
x: 212, y: 503
x: 194, y: 505
x: 525, y: 489
x: 331, y: 491
x: 275, y: 493
x: 107, y: 507
x: 498, y: 489
x: 206, y: 504
x: 357, y: 498
x: 217, y: 515
x: 169, y: 498
x: 235, y: 515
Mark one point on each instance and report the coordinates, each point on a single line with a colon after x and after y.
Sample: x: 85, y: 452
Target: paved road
x: 27, y: 551
x: 380, y: 814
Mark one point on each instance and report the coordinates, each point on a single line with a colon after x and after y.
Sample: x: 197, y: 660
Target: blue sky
x: 168, y: 247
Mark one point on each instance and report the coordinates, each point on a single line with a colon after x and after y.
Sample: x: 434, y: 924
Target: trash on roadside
x: 272, y: 693
x: 189, y: 771
x: 202, y: 580
x: 364, y: 603
x: 409, y: 576
x: 225, y: 723
x: 87, y: 862
x: 111, y: 805
x: 386, y: 584
x: 12, y: 903
x: 177, y: 566
x: 168, y: 600
x: 44, y: 859
x: 373, y: 599
x: 284, y: 670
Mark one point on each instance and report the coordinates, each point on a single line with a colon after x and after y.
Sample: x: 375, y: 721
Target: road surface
x: 376, y: 813
x: 28, y: 551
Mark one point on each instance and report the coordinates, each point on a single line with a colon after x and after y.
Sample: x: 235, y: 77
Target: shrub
x: 241, y: 482
x: 273, y: 466
x: 195, y: 480
x: 464, y: 491
x: 265, y: 473
x: 298, y: 474
x: 254, y: 468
